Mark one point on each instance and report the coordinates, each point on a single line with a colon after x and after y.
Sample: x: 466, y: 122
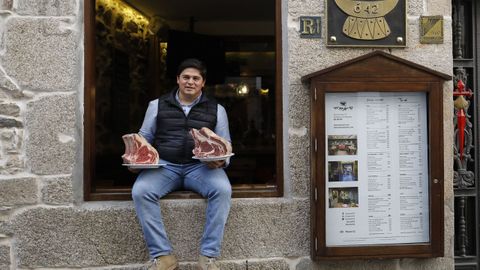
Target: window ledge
x: 240, y: 191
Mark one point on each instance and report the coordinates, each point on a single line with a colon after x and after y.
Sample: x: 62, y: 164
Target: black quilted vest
x: 172, y: 138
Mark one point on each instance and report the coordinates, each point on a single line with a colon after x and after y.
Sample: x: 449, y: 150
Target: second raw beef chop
x: 209, y: 144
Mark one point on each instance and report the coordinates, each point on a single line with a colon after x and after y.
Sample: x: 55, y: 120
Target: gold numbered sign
x: 366, y: 18
x: 366, y: 22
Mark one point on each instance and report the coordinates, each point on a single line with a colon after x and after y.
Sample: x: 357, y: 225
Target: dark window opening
x: 138, y: 45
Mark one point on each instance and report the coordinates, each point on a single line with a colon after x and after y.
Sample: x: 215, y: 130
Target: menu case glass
x: 376, y: 157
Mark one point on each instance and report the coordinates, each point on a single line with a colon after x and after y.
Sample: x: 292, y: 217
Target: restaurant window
x: 133, y: 48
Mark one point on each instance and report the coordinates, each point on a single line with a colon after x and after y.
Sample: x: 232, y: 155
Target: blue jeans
x: 153, y: 184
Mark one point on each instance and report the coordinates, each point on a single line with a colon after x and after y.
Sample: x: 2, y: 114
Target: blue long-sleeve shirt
x: 149, y: 125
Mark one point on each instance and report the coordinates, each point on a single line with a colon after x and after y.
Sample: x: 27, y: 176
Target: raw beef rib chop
x: 209, y: 144
x: 138, y: 150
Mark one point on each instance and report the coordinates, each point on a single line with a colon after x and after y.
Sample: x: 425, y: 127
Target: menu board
x: 376, y: 164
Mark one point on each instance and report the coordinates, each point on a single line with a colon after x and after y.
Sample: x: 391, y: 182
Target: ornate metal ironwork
x: 457, y: 27
x: 466, y: 14
x: 462, y: 228
x: 463, y: 145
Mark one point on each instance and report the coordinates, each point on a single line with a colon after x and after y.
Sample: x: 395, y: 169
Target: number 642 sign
x: 366, y: 23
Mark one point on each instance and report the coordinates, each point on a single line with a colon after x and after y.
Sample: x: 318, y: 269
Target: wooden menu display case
x: 377, y: 159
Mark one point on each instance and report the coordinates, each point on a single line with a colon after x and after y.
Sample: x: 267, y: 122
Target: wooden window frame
x: 239, y: 191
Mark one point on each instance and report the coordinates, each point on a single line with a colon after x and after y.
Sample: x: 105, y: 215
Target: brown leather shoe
x: 167, y: 262
x: 206, y: 263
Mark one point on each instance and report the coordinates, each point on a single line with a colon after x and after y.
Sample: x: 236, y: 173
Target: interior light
x: 242, y: 89
x: 163, y: 47
x: 126, y: 11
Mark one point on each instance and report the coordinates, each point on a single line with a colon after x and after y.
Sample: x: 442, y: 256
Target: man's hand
x: 215, y: 164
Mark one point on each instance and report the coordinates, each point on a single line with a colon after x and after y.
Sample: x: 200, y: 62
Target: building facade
x: 52, y: 215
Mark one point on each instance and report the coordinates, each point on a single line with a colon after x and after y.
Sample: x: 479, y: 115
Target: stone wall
x: 306, y: 56
x: 44, y: 223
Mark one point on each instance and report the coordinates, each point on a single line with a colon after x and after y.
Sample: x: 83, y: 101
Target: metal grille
x: 466, y: 159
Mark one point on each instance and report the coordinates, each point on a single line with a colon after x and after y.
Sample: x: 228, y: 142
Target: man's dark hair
x: 193, y: 63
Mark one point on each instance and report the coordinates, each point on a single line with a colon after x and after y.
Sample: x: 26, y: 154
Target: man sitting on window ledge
x: 166, y: 126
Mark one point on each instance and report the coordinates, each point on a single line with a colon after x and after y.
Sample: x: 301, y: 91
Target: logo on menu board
x: 343, y: 106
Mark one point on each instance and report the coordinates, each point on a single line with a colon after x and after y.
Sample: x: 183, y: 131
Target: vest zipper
x: 185, y: 126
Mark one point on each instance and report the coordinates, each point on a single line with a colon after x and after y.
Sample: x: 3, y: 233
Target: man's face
x: 190, y: 83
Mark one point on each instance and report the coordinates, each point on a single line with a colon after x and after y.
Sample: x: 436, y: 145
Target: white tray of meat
x: 213, y: 158
x: 144, y: 166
